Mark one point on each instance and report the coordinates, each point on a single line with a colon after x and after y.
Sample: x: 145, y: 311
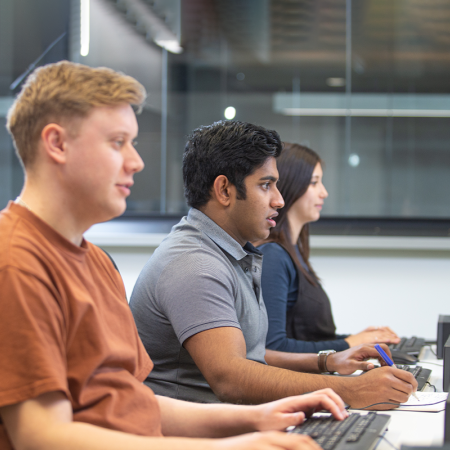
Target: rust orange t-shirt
x: 65, y: 325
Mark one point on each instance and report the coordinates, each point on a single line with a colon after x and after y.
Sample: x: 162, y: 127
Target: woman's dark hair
x: 295, y: 166
x: 231, y: 148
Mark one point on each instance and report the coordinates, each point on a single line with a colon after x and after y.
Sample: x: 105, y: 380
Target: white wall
x: 130, y: 262
x: 406, y: 290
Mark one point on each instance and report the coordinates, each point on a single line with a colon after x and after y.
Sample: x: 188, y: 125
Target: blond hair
x: 62, y: 91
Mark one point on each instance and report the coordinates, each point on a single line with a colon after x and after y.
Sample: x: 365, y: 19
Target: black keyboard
x: 357, y: 431
x: 411, y: 345
x: 420, y: 374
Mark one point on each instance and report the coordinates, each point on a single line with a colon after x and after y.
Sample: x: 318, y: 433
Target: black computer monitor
x: 447, y: 421
x: 443, y: 332
x: 446, y: 378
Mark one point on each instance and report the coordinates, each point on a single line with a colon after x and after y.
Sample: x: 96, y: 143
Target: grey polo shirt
x: 199, y: 278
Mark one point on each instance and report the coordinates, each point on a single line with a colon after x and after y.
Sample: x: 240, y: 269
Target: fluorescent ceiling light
x: 152, y: 25
x: 171, y: 45
x: 333, y: 112
x: 361, y: 104
x: 84, y: 27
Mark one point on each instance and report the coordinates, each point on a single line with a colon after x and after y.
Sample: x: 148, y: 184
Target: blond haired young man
x: 71, y: 362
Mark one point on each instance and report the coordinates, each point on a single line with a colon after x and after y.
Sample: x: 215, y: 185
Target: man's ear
x: 53, y: 138
x: 223, y: 190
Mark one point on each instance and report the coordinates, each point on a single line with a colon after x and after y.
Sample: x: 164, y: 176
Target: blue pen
x: 388, y: 361
x: 385, y: 357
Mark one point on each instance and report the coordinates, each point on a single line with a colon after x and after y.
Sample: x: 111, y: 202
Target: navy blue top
x: 280, y: 285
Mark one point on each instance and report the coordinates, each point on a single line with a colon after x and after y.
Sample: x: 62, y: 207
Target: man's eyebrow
x: 269, y: 178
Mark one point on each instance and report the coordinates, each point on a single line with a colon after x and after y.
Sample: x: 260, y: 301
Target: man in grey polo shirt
x: 198, y: 304
x: 198, y: 261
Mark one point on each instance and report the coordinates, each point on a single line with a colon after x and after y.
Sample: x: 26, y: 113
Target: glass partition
x: 365, y: 83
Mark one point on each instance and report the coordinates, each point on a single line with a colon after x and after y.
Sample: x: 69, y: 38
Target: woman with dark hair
x: 300, y: 317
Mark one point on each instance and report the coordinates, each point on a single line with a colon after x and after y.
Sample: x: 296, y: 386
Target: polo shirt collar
x: 219, y: 235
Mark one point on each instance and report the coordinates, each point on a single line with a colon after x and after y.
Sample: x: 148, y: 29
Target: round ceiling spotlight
x: 354, y: 160
x: 230, y: 113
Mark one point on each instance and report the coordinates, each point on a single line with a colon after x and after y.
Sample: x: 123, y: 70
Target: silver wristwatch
x: 322, y: 360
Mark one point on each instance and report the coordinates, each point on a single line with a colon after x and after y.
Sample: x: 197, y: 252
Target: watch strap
x: 322, y: 360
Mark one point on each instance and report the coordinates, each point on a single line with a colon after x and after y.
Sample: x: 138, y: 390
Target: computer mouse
x: 403, y: 358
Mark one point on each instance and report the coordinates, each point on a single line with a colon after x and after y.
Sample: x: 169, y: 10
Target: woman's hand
x: 373, y: 335
x: 291, y: 411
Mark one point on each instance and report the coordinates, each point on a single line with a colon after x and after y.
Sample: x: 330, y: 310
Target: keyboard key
x: 356, y: 432
x: 420, y: 374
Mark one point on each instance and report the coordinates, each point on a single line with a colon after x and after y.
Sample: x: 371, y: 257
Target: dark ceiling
x: 398, y: 46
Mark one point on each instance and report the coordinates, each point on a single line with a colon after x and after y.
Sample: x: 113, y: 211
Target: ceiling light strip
x: 336, y: 112
x: 84, y: 27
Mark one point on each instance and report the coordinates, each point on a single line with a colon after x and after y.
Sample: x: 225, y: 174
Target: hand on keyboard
x: 291, y: 411
x: 357, y: 432
x: 373, y: 335
x: 268, y: 440
x: 279, y: 415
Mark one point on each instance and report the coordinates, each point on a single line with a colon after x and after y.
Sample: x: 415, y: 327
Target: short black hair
x: 231, y: 148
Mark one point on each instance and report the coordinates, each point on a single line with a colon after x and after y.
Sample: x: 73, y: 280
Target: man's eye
x: 266, y: 185
x: 134, y: 143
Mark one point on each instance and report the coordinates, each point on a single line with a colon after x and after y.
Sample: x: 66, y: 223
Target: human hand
x: 386, y: 384
x: 280, y: 414
x: 355, y: 358
x: 373, y: 335
x: 268, y: 440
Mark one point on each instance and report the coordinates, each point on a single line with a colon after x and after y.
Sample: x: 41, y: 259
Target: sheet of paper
x: 428, y: 401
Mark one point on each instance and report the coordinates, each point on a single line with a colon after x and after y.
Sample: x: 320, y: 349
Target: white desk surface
x: 417, y: 428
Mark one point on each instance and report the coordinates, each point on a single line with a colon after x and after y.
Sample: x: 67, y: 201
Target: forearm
x: 180, y: 418
x: 298, y: 362
x: 46, y: 423
x: 249, y: 382
x: 83, y: 436
x: 77, y: 436
x: 220, y: 354
x: 288, y: 345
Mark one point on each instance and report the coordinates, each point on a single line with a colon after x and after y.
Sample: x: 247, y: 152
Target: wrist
x: 250, y: 418
x: 325, y: 361
x: 350, y: 340
x: 331, y: 366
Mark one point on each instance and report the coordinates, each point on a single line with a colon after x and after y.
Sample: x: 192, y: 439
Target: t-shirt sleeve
x: 278, y: 281
x: 32, y: 339
x: 196, y: 292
